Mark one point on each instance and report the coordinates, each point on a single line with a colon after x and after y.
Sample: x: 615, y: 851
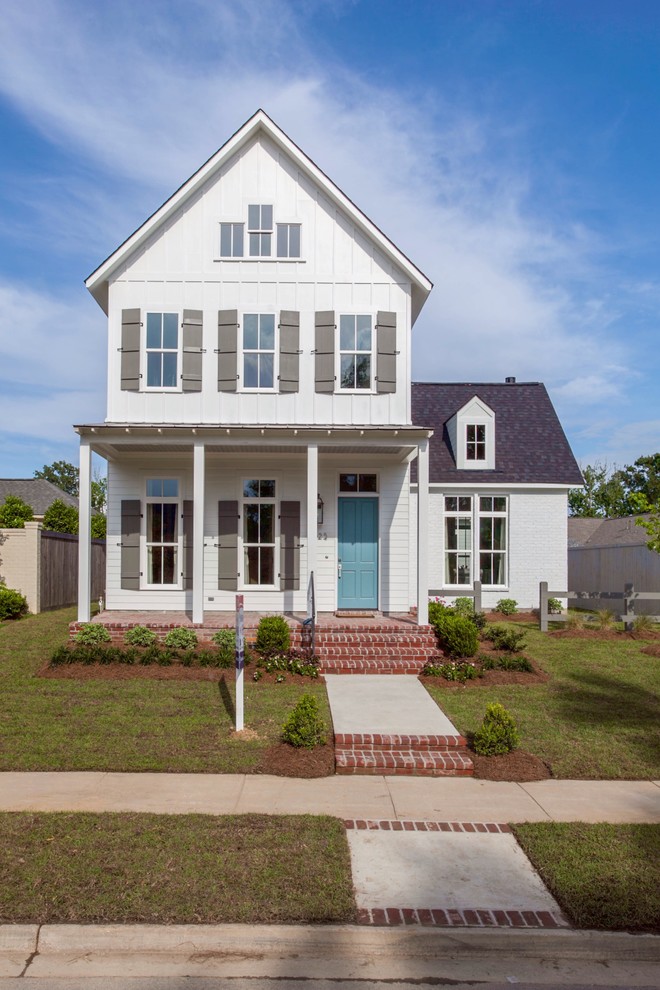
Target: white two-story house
x: 261, y: 422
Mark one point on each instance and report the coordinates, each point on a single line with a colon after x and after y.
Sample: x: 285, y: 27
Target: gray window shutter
x: 289, y: 546
x: 191, y: 372
x: 131, y: 514
x: 130, y: 350
x: 187, y: 569
x: 386, y: 352
x: 228, y: 545
x: 289, y: 351
x: 227, y: 350
x: 325, y: 351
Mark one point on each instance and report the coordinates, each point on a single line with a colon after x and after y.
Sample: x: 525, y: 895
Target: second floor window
x: 231, y: 240
x: 260, y: 231
x: 288, y: 240
x: 258, y: 350
x: 355, y: 345
x: 162, y: 350
x: 475, y: 442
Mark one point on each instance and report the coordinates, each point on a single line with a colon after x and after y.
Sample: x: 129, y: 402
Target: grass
x: 603, y: 876
x: 597, y: 718
x: 131, y: 725
x: 85, y: 868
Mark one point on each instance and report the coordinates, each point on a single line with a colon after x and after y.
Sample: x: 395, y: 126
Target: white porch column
x: 312, y: 495
x: 198, y: 532
x: 423, y: 533
x: 84, y: 531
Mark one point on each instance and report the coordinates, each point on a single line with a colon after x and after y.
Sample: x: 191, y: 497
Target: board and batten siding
x: 339, y: 270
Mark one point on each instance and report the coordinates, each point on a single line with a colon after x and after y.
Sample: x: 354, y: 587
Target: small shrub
x: 464, y: 607
x: 575, y: 620
x: 12, y: 604
x: 304, y: 727
x: 457, y: 636
x: 497, y: 733
x: 506, y: 606
x: 61, y: 518
x: 502, y: 638
x: 14, y: 513
x: 140, y: 636
x: 555, y: 607
x: 181, y: 638
x: 437, y: 609
x: 452, y: 671
x: 604, y: 619
x: 292, y: 662
x: 99, y: 527
x: 644, y: 624
x: 90, y: 633
x: 225, y: 640
x: 273, y: 634
x: 61, y: 656
x: 515, y: 661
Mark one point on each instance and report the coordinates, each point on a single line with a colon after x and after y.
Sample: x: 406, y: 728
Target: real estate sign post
x: 240, y: 662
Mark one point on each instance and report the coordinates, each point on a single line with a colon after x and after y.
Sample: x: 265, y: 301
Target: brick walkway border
x: 410, y: 826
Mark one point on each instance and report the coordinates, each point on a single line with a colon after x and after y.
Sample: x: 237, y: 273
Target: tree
x: 99, y: 527
x: 644, y: 477
x: 14, y: 513
x: 652, y: 527
x: 62, y: 474
x: 626, y: 491
x: 61, y: 518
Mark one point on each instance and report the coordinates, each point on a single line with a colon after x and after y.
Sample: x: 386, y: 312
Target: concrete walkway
x: 390, y: 704
x: 368, y: 798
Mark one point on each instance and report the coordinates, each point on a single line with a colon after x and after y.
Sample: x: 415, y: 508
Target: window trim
x: 232, y: 224
x: 477, y: 514
x: 145, y: 543
x: 275, y: 501
x: 260, y: 231
x: 288, y: 225
x: 358, y: 493
x: 371, y: 388
x: 260, y: 389
x: 163, y: 350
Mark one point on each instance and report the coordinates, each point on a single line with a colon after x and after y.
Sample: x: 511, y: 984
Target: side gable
x: 530, y: 444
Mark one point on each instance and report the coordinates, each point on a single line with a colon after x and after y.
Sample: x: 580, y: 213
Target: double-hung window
x: 259, y: 532
x: 475, y: 442
x: 163, y: 532
x: 355, y: 352
x: 259, y: 350
x: 231, y: 240
x: 288, y: 240
x: 260, y: 231
x: 162, y: 347
x: 475, y: 528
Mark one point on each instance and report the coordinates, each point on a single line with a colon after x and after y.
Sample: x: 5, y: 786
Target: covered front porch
x: 316, y: 475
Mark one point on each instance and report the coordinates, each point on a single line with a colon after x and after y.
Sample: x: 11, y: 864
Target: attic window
x: 475, y: 435
x: 260, y: 231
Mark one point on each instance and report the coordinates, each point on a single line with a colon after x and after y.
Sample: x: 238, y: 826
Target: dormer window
x: 475, y: 449
x: 260, y: 231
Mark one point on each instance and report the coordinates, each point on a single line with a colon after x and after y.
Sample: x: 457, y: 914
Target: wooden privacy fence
x: 627, y: 597
x: 474, y: 592
x: 58, y: 577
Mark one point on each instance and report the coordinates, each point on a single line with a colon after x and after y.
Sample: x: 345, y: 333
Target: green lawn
x: 168, y: 869
x: 603, y: 876
x: 130, y: 725
x: 597, y: 718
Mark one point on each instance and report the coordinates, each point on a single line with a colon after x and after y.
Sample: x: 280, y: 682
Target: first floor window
x: 355, y: 351
x: 162, y: 350
x: 475, y: 527
x: 162, y: 531
x: 231, y: 240
x: 259, y: 531
x: 258, y: 350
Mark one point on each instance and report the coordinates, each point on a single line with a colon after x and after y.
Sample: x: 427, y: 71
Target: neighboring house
x: 500, y: 469
x: 36, y: 492
x: 261, y: 422
x: 606, y: 554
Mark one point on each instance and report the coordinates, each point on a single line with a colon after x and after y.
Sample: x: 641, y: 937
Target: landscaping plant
x: 452, y: 671
x: 181, y: 638
x: 273, y: 634
x: 506, y: 606
x: 140, y: 636
x: 225, y: 640
x: 437, y: 609
x: 304, y: 727
x: 497, y: 733
x: 91, y: 633
x: 12, y: 604
x: 555, y: 607
x: 502, y: 638
x: 457, y: 636
x: 14, y: 513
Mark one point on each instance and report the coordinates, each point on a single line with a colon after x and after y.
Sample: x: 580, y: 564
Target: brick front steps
x: 399, y: 755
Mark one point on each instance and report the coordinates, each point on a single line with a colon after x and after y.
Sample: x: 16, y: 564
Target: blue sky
x: 511, y: 149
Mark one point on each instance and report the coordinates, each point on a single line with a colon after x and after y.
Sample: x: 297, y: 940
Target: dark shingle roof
x: 623, y: 532
x: 530, y: 444
x: 37, y: 492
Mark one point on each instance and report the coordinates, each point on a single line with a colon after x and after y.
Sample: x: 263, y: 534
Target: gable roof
x: 97, y: 282
x: 621, y: 532
x: 36, y: 492
x: 531, y: 446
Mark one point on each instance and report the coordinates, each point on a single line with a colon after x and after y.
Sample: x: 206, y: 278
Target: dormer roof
x: 97, y: 282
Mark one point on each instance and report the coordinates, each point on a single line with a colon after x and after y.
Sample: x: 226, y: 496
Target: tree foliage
x: 626, y: 491
x: 14, y: 513
x: 652, y: 527
x: 67, y: 477
x: 61, y: 518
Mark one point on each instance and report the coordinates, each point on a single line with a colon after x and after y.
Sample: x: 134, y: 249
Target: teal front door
x: 358, y: 553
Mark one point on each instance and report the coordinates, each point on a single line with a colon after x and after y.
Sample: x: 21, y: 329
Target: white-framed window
x: 288, y: 240
x: 163, y: 536
x: 458, y: 539
x: 475, y: 531
x: 358, y: 484
x: 259, y: 532
x: 162, y: 350
x: 232, y: 240
x: 475, y: 442
x: 355, y: 352
x: 258, y: 350
x: 260, y: 230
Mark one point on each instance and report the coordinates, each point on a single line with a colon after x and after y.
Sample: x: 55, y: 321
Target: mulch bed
x: 518, y: 617
x: 489, y: 678
x: 516, y: 766
x: 154, y: 672
x: 283, y: 760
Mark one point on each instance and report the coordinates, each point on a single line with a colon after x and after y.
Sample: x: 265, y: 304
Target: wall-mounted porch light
x: 319, y: 510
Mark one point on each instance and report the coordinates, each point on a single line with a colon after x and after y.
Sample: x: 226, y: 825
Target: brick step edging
x: 376, y: 740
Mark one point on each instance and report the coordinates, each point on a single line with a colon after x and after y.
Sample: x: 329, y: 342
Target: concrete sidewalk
x: 356, y: 797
